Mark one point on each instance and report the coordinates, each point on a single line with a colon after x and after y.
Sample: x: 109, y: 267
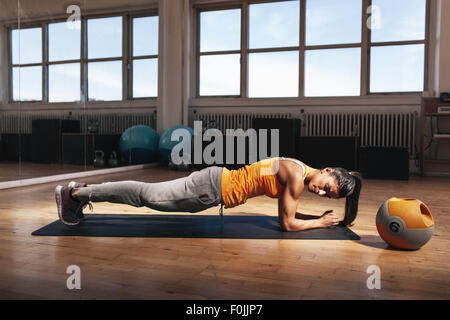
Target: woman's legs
x: 196, y: 192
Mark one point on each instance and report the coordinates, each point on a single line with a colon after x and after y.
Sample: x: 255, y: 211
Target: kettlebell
x: 184, y: 167
x: 112, y: 161
x: 172, y: 166
x: 99, y: 160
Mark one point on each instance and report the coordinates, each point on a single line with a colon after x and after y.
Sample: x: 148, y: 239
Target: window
x: 333, y: 22
x: 397, y: 48
x: 145, y: 57
x: 27, y: 83
x: 26, y: 64
x: 397, y: 68
x: 220, y: 74
x: 273, y: 74
x: 332, y: 72
x: 104, y: 59
x: 273, y: 49
x: 273, y: 25
x: 105, y: 80
x: 64, y: 82
x: 56, y: 71
x: 333, y: 48
x: 64, y: 41
x: 104, y: 37
x: 219, y: 57
x: 24, y: 45
x: 400, y: 20
x: 220, y: 30
x: 64, y: 61
x: 311, y: 48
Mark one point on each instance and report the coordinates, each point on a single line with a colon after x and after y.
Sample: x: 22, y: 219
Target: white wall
x: 441, y: 147
x: 32, y: 9
x: 444, y: 47
x: 3, y: 66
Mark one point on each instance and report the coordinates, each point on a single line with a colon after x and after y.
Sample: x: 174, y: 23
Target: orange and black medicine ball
x: 405, y: 223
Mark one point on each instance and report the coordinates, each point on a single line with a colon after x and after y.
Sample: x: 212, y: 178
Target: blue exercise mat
x: 188, y: 226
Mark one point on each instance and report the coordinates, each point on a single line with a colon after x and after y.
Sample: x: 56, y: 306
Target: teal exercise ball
x: 172, y: 137
x: 139, y: 144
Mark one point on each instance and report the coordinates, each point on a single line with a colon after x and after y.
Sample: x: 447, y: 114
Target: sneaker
x: 69, y: 209
x: 73, y: 184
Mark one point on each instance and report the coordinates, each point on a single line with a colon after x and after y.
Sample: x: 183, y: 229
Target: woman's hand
x: 329, y: 219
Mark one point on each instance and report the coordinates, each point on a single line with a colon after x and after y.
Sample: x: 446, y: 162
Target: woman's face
x: 324, y: 184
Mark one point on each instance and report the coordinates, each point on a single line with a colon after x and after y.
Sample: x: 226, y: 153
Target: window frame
x: 122, y: 58
x: 365, y: 45
x: 48, y: 63
x: 425, y: 42
x: 132, y: 57
x: 328, y: 47
x: 222, y: 52
x: 19, y: 65
x: 126, y: 56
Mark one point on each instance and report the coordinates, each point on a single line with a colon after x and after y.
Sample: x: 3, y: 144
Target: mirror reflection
x: 79, y: 87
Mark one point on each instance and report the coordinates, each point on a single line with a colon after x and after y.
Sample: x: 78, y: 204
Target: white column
x: 170, y: 92
x: 3, y: 65
x: 444, y: 48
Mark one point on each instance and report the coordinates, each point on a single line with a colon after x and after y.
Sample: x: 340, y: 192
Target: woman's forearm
x: 300, y: 224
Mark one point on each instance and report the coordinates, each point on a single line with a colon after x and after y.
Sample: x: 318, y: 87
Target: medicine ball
x: 139, y: 144
x: 177, y: 135
x: 405, y: 223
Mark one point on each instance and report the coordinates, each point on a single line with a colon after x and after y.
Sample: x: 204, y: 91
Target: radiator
x: 374, y: 129
x: 109, y: 123
x: 118, y: 123
x: 234, y: 121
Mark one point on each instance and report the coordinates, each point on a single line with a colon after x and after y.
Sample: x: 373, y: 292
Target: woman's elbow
x: 286, y: 226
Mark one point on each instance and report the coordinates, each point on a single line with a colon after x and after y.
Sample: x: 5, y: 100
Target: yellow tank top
x: 254, y: 180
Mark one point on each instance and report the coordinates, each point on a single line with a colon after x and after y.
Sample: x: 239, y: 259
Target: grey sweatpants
x: 196, y: 192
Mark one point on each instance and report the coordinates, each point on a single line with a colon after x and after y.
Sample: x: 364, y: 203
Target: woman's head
x: 338, y: 183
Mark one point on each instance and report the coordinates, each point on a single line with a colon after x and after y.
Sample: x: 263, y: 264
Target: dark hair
x: 349, y: 184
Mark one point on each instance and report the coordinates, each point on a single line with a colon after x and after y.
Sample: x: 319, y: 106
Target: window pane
x: 220, y: 75
x: 26, y: 45
x: 274, y: 24
x: 104, y: 37
x: 64, y: 41
x: 397, y: 68
x: 333, y: 72
x: 273, y: 74
x: 333, y: 22
x: 145, y: 36
x: 64, y: 82
x: 27, y: 83
x: 220, y: 30
x: 145, y: 78
x: 398, y: 20
x: 105, y: 80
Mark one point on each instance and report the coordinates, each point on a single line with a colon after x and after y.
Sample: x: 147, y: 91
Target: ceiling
x: 47, y: 8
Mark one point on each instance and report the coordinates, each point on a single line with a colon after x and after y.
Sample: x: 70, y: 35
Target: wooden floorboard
x: 10, y: 171
x: 156, y: 268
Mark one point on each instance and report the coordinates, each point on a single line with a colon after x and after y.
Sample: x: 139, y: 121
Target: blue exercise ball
x: 183, y: 135
x: 139, y: 144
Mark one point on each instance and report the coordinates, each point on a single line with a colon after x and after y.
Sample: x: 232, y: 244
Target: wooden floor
x: 26, y: 170
x: 157, y: 268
